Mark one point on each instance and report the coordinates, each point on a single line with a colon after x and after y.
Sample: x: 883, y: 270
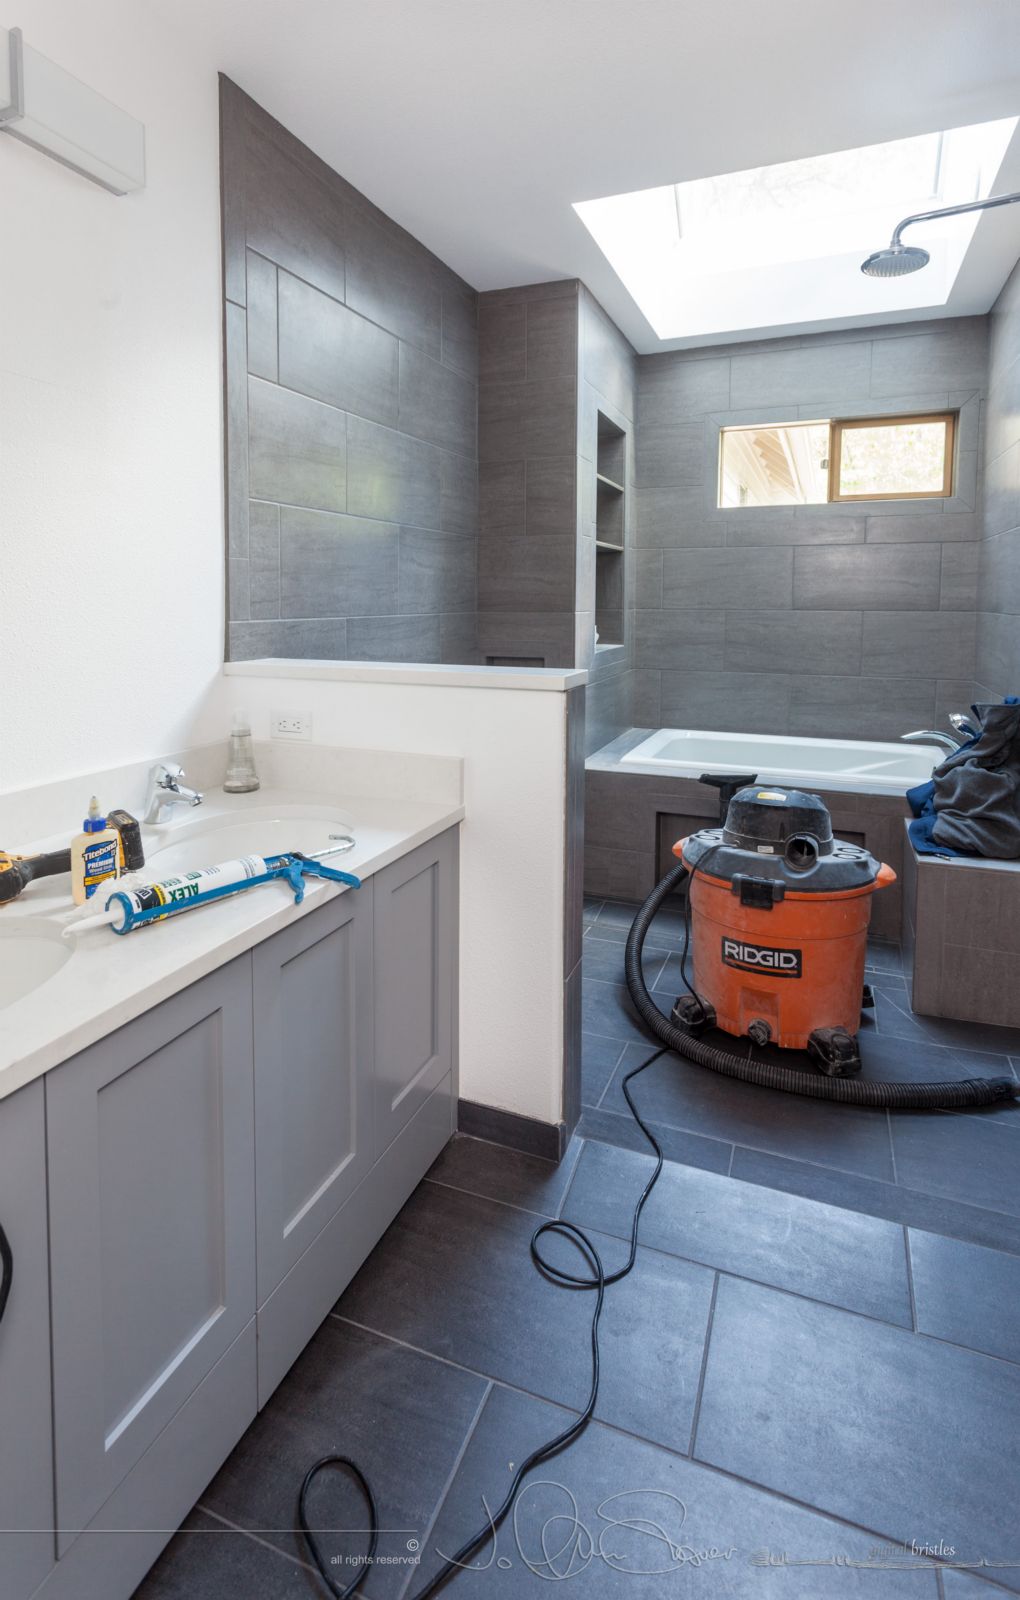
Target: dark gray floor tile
x: 592, y: 908
x: 801, y: 1245
x: 901, y: 1060
x: 871, y: 1423
x: 207, y: 1561
x: 934, y: 1213
x: 966, y: 1294
x: 957, y: 1156
x: 599, y: 1056
x: 883, y: 957
x: 679, y: 1094
x: 499, y: 1173
x: 454, y: 1275
x: 615, y: 918
x: 629, y: 1498
x: 400, y: 1415
x: 603, y: 959
x: 606, y: 1009
x: 689, y: 1149
x: 964, y: 1586
x: 894, y: 1016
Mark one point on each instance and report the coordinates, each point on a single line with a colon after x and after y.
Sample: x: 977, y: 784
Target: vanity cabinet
x: 313, y: 1077
x: 26, y: 1447
x: 215, y: 1172
x: 152, y: 1228
x: 415, y: 958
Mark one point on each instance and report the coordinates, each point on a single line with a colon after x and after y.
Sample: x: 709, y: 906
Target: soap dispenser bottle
x: 241, y: 776
x: 95, y: 855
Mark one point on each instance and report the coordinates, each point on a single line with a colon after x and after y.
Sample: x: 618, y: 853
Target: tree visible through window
x: 810, y: 463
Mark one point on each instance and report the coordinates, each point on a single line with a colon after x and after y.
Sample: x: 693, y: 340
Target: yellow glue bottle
x: 95, y: 855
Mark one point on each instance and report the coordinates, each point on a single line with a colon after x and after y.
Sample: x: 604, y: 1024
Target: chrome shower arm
x: 951, y: 211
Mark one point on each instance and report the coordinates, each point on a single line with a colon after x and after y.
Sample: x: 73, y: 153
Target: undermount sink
x: 29, y: 957
x: 262, y: 831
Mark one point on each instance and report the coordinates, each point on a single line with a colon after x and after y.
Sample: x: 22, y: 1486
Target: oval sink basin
x: 261, y: 831
x: 29, y: 957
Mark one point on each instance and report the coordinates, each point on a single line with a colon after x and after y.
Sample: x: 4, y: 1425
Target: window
x: 812, y: 463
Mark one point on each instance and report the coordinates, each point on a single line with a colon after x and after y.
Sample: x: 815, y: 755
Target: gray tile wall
x: 998, y: 636
x: 527, y: 429
x: 607, y: 383
x: 351, y: 380
x: 835, y: 620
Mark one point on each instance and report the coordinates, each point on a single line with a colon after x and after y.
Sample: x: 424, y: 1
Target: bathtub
x: 831, y: 764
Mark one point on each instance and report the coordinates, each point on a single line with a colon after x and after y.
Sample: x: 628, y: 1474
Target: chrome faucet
x: 167, y: 791
x: 932, y: 736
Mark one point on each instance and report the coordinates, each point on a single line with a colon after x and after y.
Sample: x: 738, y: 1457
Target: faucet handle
x: 166, y: 774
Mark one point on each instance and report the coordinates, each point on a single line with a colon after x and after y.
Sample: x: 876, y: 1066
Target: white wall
x: 512, y: 855
x: 110, y: 414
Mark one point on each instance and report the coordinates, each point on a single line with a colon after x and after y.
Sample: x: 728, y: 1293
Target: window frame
x: 836, y: 427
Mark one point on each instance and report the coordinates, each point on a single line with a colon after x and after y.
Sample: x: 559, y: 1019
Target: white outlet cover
x: 290, y: 724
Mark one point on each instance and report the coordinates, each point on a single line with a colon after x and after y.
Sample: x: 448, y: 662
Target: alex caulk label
x: 761, y: 958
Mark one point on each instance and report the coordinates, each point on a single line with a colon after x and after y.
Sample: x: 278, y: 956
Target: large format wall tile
x: 296, y: 449
x: 351, y: 359
x: 331, y: 566
x: 392, y: 477
x: 847, y: 564
x: 333, y: 354
x: 390, y: 280
x: 867, y: 578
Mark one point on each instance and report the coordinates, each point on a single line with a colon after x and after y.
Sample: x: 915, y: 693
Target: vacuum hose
x: 852, y: 1091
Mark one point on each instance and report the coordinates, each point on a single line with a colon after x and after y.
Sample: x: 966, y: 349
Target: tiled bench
x: 961, y: 937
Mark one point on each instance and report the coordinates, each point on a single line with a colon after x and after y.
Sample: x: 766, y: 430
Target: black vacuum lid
x: 784, y: 834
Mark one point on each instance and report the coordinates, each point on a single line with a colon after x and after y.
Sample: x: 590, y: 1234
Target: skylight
x: 784, y: 244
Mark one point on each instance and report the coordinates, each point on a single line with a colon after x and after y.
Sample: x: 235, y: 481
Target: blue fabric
x: 921, y: 801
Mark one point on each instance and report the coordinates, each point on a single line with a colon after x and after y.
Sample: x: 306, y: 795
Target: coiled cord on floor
x: 851, y: 1091
x: 598, y: 1280
x: 6, y: 1271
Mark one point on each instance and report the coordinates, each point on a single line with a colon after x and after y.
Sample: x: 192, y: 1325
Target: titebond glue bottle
x: 95, y: 855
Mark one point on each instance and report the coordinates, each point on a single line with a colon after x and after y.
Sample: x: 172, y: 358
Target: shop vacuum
x: 776, y: 925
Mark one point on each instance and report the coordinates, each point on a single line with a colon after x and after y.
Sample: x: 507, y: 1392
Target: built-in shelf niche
x: 610, y: 526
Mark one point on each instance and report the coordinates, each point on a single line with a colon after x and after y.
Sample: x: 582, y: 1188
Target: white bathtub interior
x: 866, y: 767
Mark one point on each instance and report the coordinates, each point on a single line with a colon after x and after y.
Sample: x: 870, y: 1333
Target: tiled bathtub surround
x: 352, y: 402
x: 843, y: 620
x: 998, y: 654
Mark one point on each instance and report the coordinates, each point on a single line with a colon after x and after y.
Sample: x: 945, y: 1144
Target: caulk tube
x: 175, y: 894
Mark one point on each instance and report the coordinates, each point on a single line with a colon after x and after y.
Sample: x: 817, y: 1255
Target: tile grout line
x: 439, y: 1183
x: 235, y: 1527
x: 612, y: 1076
x: 704, y: 1368
x: 448, y: 1485
x: 699, y: 1462
x: 892, y: 1146
x: 581, y: 1142
x: 910, y: 1278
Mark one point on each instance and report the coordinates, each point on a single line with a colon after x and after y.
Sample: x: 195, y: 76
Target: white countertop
x: 109, y: 980
x: 547, y: 680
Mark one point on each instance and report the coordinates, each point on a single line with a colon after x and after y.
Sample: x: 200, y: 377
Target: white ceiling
x: 477, y: 123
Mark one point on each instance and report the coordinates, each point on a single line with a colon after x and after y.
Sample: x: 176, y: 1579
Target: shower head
x: 898, y: 259
x: 895, y: 261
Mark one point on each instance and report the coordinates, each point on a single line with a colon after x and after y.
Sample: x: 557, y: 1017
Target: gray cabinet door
x: 152, y: 1227
x: 27, y: 1548
x: 313, y: 1063
x: 415, y: 980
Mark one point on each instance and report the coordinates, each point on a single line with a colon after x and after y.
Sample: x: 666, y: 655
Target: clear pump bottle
x: 241, y: 776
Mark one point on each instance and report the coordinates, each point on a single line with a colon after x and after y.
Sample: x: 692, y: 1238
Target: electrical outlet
x: 290, y: 724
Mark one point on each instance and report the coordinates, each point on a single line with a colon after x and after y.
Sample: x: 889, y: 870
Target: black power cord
x: 598, y: 1280
x: 7, y: 1269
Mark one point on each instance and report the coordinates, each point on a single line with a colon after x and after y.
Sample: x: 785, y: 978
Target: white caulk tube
x: 173, y: 893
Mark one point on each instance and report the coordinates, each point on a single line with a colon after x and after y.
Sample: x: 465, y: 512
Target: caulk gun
x: 127, y: 909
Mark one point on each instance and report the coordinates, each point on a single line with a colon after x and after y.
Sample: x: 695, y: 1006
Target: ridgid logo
x: 761, y: 958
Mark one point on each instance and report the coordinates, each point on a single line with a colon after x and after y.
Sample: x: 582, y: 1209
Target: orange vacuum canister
x: 779, y: 922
